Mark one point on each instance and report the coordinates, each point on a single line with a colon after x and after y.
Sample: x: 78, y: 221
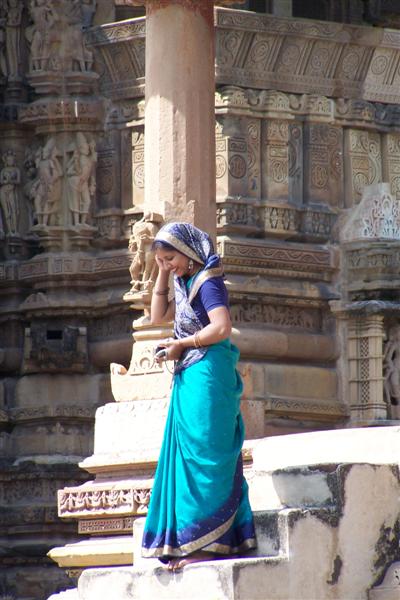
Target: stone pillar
x: 179, y: 116
x: 365, y: 354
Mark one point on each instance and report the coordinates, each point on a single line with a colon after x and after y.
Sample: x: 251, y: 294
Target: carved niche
x: 55, y: 348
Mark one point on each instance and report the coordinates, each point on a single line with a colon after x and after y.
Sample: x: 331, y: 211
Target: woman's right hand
x: 161, y: 265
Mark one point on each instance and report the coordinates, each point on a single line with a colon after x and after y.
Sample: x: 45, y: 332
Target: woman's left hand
x: 174, y: 349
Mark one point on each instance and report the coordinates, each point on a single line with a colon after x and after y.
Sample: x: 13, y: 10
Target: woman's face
x: 174, y: 261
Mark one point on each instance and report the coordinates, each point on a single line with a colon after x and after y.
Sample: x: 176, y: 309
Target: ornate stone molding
x: 283, y: 221
x: 263, y: 51
x: 296, y: 260
x: 110, y: 525
x: 66, y: 111
x: 303, y: 408
x: 62, y: 265
x: 306, y: 107
x: 282, y: 315
x: 101, y: 500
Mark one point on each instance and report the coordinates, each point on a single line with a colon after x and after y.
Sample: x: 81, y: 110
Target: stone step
x: 231, y: 579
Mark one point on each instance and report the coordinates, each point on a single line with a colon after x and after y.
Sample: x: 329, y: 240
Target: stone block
x: 378, y: 445
x: 50, y: 391
x: 130, y: 427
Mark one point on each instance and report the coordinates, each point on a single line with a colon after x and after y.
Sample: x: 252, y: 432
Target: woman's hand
x: 161, y: 264
x: 174, y: 350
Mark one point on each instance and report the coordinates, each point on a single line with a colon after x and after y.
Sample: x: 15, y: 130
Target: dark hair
x: 158, y: 245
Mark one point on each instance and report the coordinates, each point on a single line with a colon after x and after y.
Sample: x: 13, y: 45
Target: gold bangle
x: 197, y: 343
x: 162, y: 292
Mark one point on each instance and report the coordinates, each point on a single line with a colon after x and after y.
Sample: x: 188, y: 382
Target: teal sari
x: 200, y: 498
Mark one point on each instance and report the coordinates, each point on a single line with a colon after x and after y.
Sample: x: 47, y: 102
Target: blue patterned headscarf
x: 197, y: 245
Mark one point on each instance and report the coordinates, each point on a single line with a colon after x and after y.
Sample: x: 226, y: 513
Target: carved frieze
x: 111, y: 525
x: 66, y: 111
x: 263, y: 51
x: 310, y: 409
x: 284, y: 221
x: 297, y: 261
x: 102, y: 500
x: 277, y: 315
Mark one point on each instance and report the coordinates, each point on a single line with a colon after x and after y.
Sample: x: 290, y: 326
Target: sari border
x: 248, y: 544
x: 190, y: 547
x: 180, y: 246
x: 201, y: 278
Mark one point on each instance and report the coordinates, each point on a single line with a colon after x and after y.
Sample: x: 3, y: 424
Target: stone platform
x: 337, y: 490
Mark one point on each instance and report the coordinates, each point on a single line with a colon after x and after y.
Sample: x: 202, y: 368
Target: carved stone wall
x: 306, y: 116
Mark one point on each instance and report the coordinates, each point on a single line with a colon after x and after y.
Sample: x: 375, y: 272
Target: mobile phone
x: 160, y: 352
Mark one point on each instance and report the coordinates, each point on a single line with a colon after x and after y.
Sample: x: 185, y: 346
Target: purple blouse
x: 213, y: 293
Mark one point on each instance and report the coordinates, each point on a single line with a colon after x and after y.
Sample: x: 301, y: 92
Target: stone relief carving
x: 13, y: 37
x: 10, y: 179
x: 54, y: 347
x: 3, y: 61
x: 276, y: 315
x: 47, y: 187
x: 143, y: 269
x: 112, y: 501
x: 56, y: 37
x: 391, y: 367
x: 376, y: 217
x: 364, y: 162
x: 80, y: 178
x: 29, y: 187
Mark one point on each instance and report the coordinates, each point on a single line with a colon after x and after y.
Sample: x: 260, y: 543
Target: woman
x: 199, y: 506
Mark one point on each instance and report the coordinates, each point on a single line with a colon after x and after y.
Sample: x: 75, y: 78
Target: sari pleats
x: 200, y: 497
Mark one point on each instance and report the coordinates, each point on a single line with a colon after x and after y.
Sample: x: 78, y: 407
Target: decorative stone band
x: 264, y: 52
x: 40, y: 267
x: 111, y: 525
x: 299, y: 261
x: 320, y: 410
x: 101, y: 501
x: 277, y: 221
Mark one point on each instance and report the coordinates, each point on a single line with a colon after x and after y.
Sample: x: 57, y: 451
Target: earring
x: 190, y: 264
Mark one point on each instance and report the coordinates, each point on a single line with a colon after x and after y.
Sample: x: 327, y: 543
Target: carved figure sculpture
x: 44, y: 18
x: 13, y: 36
x: 47, y: 188
x: 81, y: 181
x: 29, y: 187
x: 88, y: 10
x: 143, y: 269
x: 10, y: 178
x: 3, y: 62
x: 57, y: 42
x: 391, y: 365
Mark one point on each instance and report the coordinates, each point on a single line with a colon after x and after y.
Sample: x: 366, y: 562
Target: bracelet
x: 162, y: 292
x: 197, y: 343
